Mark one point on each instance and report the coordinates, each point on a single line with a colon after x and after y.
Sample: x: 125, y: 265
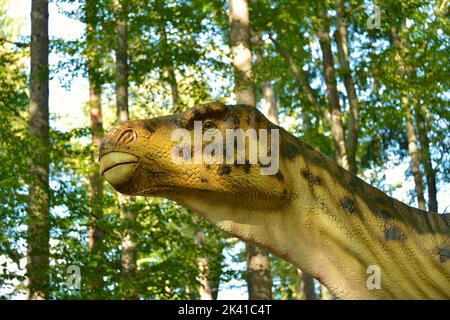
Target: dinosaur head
x: 165, y: 157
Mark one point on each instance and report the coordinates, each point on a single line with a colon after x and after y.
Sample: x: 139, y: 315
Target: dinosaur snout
x: 121, y: 135
x: 126, y: 136
x: 118, y: 167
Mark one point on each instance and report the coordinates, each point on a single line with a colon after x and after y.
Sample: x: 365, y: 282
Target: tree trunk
x: 129, y: 249
x: 422, y: 130
x: 306, y: 290
x: 259, y: 280
x: 344, y: 61
x: 241, y: 52
x: 270, y: 104
x: 303, y: 80
x: 95, y: 233
x: 121, y: 60
x: 414, y: 153
x: 208, y: 288
x: 407, y: 109
x: 39, y: 195
x: 127, y: 216
x: 270, y: 108
x: 305, y: 87
x: 337, y: 129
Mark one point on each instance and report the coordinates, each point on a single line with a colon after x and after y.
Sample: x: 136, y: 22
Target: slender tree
x: 346, y: 73
x: 208, y: 288
x: 127, y: 215
x: 121, y: 60
x: 270, y: 107
x: 270, y: 103
x: 39, y: 193
x: 402, y: 70
x: 306, y: 289
x: 96, y: 122
x: 169, y: 69
x: 337, y: 129
x: 241, y: 52
x: 430, y: 172
x: 259, y: 279
x: 303, y: 80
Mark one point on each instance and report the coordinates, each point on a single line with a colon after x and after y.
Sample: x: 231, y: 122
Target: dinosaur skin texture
x: 312, y: 213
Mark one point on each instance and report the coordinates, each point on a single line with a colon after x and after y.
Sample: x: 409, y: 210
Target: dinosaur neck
x: 341, y: 231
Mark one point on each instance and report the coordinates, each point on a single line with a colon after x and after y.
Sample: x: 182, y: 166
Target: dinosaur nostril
x: 126, y: 136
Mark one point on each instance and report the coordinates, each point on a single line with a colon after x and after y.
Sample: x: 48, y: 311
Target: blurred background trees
x: 373, y: 96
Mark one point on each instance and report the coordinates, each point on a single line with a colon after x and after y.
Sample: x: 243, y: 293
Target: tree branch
x: 17, y: 44
x: 302, y: 78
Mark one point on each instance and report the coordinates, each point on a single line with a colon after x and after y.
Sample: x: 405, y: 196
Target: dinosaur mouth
x: 117, y: 167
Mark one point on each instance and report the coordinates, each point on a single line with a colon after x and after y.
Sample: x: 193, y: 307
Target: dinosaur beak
x: 117, y: 167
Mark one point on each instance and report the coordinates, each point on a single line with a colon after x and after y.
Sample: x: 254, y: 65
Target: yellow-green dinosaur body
x: 312, y: 213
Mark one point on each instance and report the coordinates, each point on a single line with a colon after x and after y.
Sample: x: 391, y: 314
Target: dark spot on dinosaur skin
x: 445, y: 220
x: 197, y: 113
x: 177, y: 150
x: 305, y: 173
x: 383, y: 214
x: 290, y: 151
x: 354, y: 185
x: 249, y: 119
x: 421, y: 221
x: 235, y: 120
x: 151, y: 127
x: 224, y: 170
x: 348, y: 205
x: 263, y: 165
x: 247, y: 165
x: 315, y: 180
x: 279, y: 176
x: 444, y: 254
x: 207, y: 107
x: 177, y: 122
x: 258, y: 116
x: 207, y: 166
x: 204, y: 180
x: 394, y: 233
x: 310, y: 177
x: 186, y: 156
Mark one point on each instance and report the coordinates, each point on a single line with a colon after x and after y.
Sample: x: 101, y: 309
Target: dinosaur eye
x: 209, y: 125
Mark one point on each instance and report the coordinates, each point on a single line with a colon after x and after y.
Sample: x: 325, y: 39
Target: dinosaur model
x: 312, y: 212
